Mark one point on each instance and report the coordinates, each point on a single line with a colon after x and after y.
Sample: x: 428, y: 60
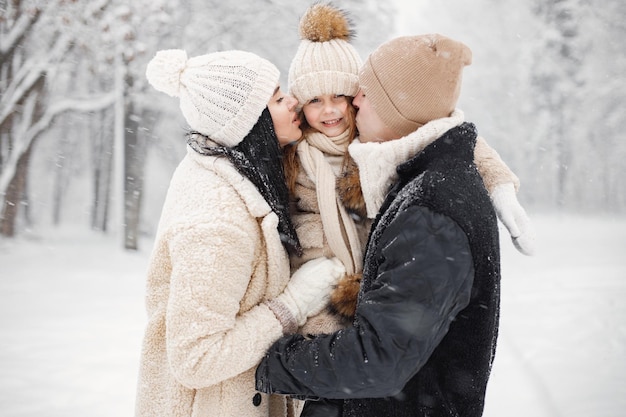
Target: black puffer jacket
x: 426, y: 323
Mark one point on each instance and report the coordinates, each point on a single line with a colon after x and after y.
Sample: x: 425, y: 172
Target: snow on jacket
x: 424, y: 335
x: 217, y: 257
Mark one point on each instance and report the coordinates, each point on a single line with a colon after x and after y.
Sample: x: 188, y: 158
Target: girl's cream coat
x: 217, y: 258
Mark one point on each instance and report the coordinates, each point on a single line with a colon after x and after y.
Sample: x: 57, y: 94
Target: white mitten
x: 307, y: 292
x: 514, y: 218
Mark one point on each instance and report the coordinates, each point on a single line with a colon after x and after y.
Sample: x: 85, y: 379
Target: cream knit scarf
x: 321, y: 157
x: 377, y: 161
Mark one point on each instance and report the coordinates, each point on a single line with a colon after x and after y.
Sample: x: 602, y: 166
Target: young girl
x: 331, y: 214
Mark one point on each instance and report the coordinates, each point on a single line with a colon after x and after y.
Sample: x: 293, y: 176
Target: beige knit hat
x: 222, y: 94
x: 412, y: 80
x: 325, y: 62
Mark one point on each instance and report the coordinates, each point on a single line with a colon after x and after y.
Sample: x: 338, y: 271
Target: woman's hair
x: 259, y: 158
x: 291, y: 164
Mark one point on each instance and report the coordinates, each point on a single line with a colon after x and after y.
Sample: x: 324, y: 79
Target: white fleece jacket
x: 217, y: 257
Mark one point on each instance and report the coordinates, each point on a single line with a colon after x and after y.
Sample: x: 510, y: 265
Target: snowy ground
x: 71, y: 317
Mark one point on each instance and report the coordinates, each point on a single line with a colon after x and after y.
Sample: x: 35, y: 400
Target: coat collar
x: 252, y: 198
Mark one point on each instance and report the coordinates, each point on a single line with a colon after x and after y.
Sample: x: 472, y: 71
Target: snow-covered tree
x: 578, y: 81
x: 599, y: 114
x: 75, y: 99
x: 36, y: 37
x: 69, y: 56
x: 557, y: 82
x: 131, y: 31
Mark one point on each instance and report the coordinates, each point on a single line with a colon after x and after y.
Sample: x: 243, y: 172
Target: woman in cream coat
x: 218, y: 287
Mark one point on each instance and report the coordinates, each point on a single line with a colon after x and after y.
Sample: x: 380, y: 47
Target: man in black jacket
x: 424, y: 334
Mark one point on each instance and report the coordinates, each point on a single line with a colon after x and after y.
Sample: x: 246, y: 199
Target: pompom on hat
x: 412, y: 80
x: 222, y: 94
x: 325, y: 62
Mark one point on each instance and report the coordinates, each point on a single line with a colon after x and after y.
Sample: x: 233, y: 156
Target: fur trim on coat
x: 344, y: 296
x: 349, y: 188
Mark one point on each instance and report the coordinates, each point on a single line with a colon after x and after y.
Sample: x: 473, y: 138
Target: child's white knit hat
x: 222, y: 94
x: 325, y: 62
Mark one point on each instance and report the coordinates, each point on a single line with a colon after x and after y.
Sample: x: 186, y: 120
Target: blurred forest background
x: 84, y: 140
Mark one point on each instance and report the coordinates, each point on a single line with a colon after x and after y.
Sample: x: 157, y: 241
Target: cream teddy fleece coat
x: 217, y: 257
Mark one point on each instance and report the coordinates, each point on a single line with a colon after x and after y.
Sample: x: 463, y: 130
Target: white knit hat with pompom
x: 325, y: 62
x: 222, y: 94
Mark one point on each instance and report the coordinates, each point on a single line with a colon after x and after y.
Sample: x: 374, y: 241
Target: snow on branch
x: 10, y: 39
x: 28, y: 75
x: 64, y: 105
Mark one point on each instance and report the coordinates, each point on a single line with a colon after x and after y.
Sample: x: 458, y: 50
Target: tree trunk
x: 61, y: 175
x: 134, y: 164
x: 14, y: 196
x: 16, y: 190
x: 102, y: 159
x: 563, y: 155
x: 57, y: 191
x: 557, y: 84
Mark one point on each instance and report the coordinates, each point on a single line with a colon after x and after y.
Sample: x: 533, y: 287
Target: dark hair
x: 259, y: 158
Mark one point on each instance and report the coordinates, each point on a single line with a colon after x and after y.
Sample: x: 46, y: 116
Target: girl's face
x: 282, y: 107
x: 328, y: 114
